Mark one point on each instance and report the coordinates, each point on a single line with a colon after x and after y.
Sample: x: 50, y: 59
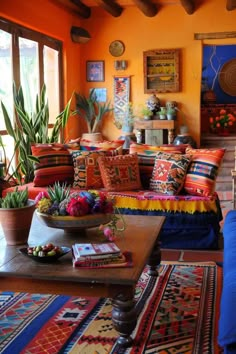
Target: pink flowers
x: 78, y: 207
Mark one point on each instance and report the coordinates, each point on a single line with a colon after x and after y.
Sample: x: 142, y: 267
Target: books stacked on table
x: 99, y: 255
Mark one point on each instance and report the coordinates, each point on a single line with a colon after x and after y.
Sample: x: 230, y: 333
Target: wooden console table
x: 157, y: 124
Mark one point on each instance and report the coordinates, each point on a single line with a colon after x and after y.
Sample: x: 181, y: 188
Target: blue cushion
x: 227, y: 322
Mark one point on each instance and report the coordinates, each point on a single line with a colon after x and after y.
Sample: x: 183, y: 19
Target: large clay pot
x: 94, y: 137
x: 16, y: 223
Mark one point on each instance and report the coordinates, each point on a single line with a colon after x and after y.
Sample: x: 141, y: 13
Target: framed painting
x: 95, y: 70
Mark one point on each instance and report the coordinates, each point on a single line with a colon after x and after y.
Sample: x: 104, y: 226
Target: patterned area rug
x: 178, y: 313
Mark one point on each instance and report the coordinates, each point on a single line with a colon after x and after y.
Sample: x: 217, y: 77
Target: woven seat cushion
x: 203, y: 170
x: 120, y: 173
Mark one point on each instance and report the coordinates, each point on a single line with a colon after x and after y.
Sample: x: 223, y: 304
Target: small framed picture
x: 95, y: 70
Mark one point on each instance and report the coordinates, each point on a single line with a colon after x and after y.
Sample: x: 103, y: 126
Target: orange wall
x: 170, y: 28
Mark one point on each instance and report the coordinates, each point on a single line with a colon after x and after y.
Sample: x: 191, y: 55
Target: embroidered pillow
x: 203, y: 170
x: 146, y: 157
x: 86, y: 169
x: 87, y: 145
x: 120, y: 173
x: 55, y: 164
x: 169, y: 173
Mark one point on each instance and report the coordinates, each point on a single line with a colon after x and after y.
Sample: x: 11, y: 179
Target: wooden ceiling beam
x: 74, y: 6
x: 147, y: 7
x: 188, y: 6
x: 111, y: 7
x: 231, y: 5
x: 84, y: 10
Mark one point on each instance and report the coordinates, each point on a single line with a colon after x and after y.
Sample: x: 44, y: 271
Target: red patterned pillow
x: 146, y: 157
x: 86, y: 169
x: 120, y: 173
x: 203, y: 170
x: 55, y: 164
x: 169, y: 173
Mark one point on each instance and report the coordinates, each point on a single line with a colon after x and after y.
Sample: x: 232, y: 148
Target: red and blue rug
x: 178, y: 313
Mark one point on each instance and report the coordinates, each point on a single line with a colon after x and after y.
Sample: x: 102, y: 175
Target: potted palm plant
x: 16, y: 213
x: 92, y: 111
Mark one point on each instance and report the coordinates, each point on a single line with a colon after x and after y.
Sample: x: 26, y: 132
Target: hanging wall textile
x: 178, y: 313
x: 121, y: 95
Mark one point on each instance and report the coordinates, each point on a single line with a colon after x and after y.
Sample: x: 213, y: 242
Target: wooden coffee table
x: 20, y: 273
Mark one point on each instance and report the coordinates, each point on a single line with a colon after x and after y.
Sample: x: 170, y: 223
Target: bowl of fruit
x: 45, y: 253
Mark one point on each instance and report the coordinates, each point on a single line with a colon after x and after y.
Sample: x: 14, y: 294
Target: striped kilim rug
x: 178, y: 313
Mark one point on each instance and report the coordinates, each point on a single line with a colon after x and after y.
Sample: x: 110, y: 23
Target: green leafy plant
x: 91, y: 110
x: 146, y: 112
x: 30, y: 127
x: 15, y: 199
x: 58, y: 192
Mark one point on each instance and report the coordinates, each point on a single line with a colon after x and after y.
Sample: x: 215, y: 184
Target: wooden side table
x: 157, y: 124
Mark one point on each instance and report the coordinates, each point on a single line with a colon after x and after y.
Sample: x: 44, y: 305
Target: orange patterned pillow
x: 169, y: 173
x: 120, y: 173
x: 86, y: 169
x: 203, y: 170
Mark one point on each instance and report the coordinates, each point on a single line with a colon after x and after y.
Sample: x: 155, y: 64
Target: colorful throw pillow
x: 169, y: 173
x: 140, y: 148
x: 146, y: 157
x: 55, y: 164
x: 87, y: 145
x: 120, y: 173
x: 203, y: 170
x: 86, y: 169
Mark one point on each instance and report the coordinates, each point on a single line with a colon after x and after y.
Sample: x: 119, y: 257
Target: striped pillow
x: 55, y: 164
x: 203, y: 170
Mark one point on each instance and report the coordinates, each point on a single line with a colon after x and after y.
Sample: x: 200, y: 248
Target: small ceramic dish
x: 45, y: 259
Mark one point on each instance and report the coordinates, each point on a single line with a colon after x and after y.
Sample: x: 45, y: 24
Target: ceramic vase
x: 16, y: 223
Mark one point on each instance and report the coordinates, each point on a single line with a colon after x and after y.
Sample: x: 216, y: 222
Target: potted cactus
x: 16, y: 213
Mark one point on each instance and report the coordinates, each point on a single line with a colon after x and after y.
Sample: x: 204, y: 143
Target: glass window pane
x: 8, y: 143
x: 6, y: 79
x: 29, y: 71
x: 51, y: 79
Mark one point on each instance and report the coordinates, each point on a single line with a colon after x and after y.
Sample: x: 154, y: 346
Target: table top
x: 139, y: 238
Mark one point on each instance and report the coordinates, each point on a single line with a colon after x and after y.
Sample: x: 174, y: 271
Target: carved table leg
x: 124, y: 317
x: 154, y: 259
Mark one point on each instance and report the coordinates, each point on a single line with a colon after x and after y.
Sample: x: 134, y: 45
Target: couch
x: 227, y: 322
x: 151, y: 181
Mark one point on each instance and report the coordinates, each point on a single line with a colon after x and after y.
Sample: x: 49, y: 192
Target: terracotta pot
x: 16, y: 223
x: 94, y: 137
